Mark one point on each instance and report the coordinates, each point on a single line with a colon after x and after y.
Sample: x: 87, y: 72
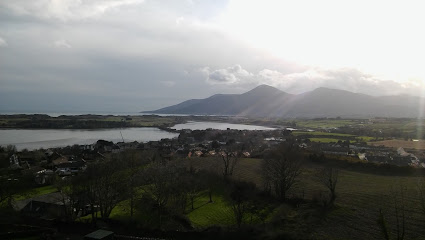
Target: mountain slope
x: 259, y: 101
x: 322, y: 102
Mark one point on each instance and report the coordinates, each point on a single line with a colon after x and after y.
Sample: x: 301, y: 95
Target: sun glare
x: 379, y: 37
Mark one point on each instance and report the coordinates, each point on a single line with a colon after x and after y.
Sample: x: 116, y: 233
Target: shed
x: 47, y: 206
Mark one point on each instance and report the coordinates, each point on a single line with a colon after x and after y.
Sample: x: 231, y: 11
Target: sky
x: 134, y: 55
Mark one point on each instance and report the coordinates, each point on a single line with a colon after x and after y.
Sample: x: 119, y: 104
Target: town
x: 206, y: 143
x: 42, y: 184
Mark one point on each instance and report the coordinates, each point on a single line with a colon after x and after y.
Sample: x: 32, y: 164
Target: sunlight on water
x: 47, y: 138
x: 217, y: 125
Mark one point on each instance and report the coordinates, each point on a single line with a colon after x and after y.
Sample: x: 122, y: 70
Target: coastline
x: 93, y: 121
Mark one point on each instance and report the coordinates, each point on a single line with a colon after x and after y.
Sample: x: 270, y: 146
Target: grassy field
x: 205, y: 214
x: 45, y: 190
x: 298, y: 133
x: 405, y: 125
x: 391, y: 127
x: 359, y: 198
x: 390, y: 123
x: 365, y: 138
x: 419, y: 145
x: 327, y: 137
x: 327, y: 123
x: 37, y: 192
x: 324, y: 140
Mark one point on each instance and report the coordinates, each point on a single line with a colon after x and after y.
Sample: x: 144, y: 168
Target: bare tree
x: 110, y: 188
x: 230, y: 160
x: 382, y: 222
x: 210, y: 181
x: 329, y: 178
x: 399, y: 213
x: 14, y: 185
x: 241, y: 197
x: 281, y: 168
x: 66, y: 190
x: 159, y: 178
x: 399, y: 208
x: 229, y: 157
x: 105, y: 185
x: 134, y: 162
x: 7, y: 189
x: 194, y: 186
x: 421, y: 192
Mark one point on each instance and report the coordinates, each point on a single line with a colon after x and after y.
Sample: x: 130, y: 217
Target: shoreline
x: 93, y: 121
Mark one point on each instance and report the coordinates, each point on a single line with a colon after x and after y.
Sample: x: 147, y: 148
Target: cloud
x: 343, y: 78
x: 3, y: 42
x: 168, y: 83
x: 179, y: 20
x: 123, y: 48
x: 230, y: 75
x: 61, y: 44
x: 298, y: 82
x: 65, y: 10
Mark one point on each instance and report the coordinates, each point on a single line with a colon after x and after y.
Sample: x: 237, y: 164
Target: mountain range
x: 267, y: 101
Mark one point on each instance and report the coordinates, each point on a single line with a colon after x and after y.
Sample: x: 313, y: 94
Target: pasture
x: 327, y: 123
x: 328, y: 137
x: 360, y: 196
x: 394, y: 143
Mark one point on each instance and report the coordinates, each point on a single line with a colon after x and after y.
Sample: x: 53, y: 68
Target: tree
x: 13, y: 185
x: 399, y: 213
x: 110, y: 187
x: 281, y: 168
x: 160, y: 178
x: 194, y: 186
x: 261, y: 208
x: 329, y: 178
x: 73, y: 195
x: 134, y: 162
x: 229, y: 160
x: 105, y: 185
x: 241, y: 196
x: 210, y: 181
x: 229, y: 157
x: 215, y: 144
x: 421, y: 191
x: 382, y: 222
x: 11, y: 149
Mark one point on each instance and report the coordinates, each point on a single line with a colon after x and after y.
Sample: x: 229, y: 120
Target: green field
x: 324, y: 140
x: 327, y: 137
x: 207, y: 214
x: 327, y: 123
x: 37, y: 192
x: 298, y: 133
x: 359, y: 198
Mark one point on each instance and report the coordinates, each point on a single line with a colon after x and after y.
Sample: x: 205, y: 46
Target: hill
x: 267, y: 101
